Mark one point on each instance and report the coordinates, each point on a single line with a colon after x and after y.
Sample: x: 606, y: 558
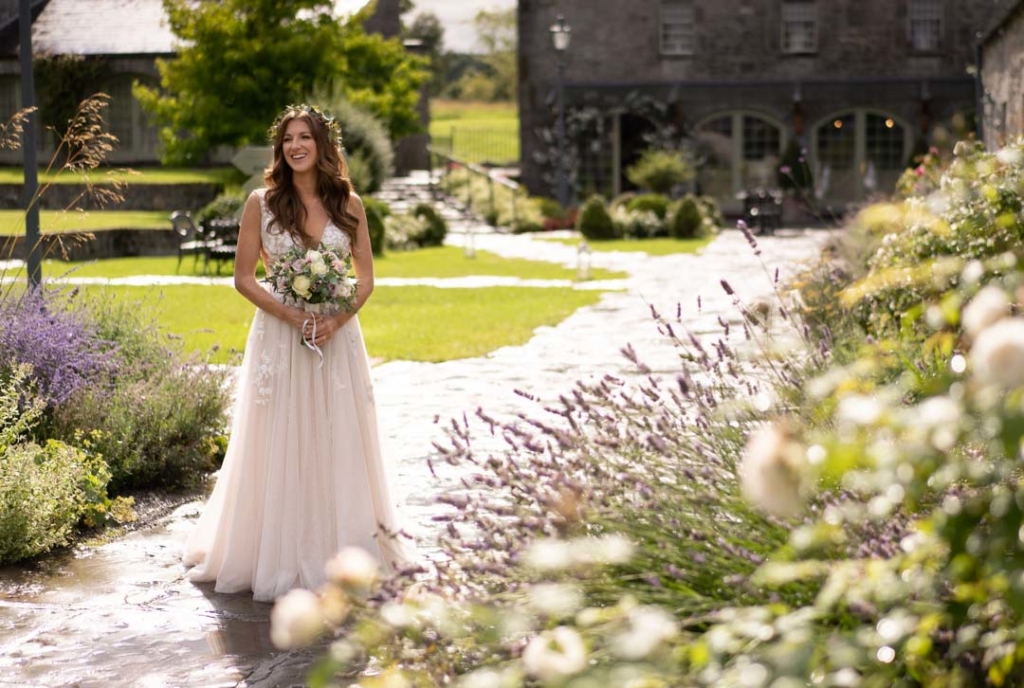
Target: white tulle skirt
x: 303, y: 475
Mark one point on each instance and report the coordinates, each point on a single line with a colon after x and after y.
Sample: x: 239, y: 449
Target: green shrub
x: 655, y: 203
x: 399, y: 230
x: 659, y: 171
x: 45, y: 490
x: 376, y: 212
x: 686, y: 221
x: 156, y: 421
x: 711, y: 211
x: 550, y: 208
x: 227, y: 205
x: 435, y: 229
x: 366, y: 142
x: 594, y: 222
x: 40, y: 498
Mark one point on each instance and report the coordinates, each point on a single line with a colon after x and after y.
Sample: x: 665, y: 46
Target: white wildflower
x: 549, y: 555
x: 972, y: 272
x: 555, y: 654
x: 296, y: 620
x: 1010, y: 156
x: 988, y: 305
x: 997, y: 356
x: 859, y: 409
x: 555, y: 600
x: 353, y: 566
x: 397, y: 615
x: 772, y: 471
x: 649, y: 627
x: 607, y: 549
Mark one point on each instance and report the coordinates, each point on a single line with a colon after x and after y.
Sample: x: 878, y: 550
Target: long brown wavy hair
x: 333, y: 185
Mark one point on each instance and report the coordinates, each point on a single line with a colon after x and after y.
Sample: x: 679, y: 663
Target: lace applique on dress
x: 267, y: 370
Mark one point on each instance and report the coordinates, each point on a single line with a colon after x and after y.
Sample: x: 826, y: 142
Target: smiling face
x: 298, y: 147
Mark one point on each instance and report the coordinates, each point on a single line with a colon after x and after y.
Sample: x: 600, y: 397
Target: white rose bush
x: 846, y: 512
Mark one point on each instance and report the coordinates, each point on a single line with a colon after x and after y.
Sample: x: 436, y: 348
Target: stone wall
x: 1002, y: 78
x: 169, y: 197
x: 111, y: 243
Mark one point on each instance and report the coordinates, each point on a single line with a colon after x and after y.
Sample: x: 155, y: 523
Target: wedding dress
x: 303, y: 474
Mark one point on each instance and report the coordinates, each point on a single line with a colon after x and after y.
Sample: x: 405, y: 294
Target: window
x: 836, y: 141
x: 678, y: 36
x: 884, y: 142
x: 799, y: 26
x: 761, y: 139
x: 924, y: 24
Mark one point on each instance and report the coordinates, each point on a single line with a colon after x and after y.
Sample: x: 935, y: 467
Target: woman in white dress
x: 303, y: 475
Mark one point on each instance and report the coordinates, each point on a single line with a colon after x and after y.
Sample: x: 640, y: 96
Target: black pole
x: 28, y: 146
x: 562, y: 177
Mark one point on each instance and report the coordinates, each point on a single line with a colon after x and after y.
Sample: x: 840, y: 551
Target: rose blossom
x: 772, y: 471
x: 988, y: 305
x: 296, y: 620
x: 997, y: 356
x: 313, y: 256
x: 318, y: 267
x: 300, y: 285
x: 555, y: 654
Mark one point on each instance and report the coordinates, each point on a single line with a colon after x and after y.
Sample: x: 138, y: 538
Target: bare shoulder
x: 355, y: 203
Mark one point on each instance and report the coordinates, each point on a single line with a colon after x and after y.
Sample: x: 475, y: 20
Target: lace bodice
x: 277, y: 243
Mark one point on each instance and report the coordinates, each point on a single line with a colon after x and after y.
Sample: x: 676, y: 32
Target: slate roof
x: 1002, y: 19
x: 103, y: 27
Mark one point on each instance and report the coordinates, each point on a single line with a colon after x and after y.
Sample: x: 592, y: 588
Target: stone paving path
x: 122, y: 614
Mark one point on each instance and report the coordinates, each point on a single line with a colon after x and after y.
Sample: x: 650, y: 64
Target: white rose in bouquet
x: 318, y: 268
x: 300, y: 285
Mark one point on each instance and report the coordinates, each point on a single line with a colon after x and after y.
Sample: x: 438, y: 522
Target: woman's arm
x: 247, y: 256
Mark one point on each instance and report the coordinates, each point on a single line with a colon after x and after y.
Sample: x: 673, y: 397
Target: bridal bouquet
x: 314, y: 277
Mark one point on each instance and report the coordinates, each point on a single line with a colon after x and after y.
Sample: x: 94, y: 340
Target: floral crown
x: 329, y: 121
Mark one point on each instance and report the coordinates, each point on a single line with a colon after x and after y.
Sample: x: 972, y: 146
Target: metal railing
x: 447, y: 163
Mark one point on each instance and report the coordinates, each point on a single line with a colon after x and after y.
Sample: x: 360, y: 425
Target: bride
x: 303, y: 474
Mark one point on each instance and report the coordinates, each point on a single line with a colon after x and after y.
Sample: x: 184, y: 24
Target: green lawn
x: 478, y: 132
x: 438, y: 261
x: 653, y: 247
x: 222, y: 176
x: 13, y: 221
x: 407, y: 323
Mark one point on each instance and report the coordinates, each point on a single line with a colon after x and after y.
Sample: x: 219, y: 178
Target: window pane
x: 884, y: 142
x: 715, y: 145
x: 760, y: 138
x: 924, y: 25
x: 836, y: 142
x: 799, y: 27
x: 677, y: 27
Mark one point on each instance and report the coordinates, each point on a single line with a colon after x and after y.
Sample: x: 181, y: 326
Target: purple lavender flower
x: 57, y: 341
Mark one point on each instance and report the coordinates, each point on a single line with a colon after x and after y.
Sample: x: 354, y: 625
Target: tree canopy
x: 241, y: 61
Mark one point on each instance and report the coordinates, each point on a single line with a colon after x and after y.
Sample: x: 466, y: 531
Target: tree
x: 380, y: 75
x: 241, y: 61
x: 497, y: 35
x: 426, y: 28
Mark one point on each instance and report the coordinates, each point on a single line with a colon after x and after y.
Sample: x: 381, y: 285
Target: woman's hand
x: 325, y: 327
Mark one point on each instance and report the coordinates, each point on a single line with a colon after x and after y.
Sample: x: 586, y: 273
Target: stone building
x: 1001, y: 57
x: 122, y: 38
x: 857, y: 85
